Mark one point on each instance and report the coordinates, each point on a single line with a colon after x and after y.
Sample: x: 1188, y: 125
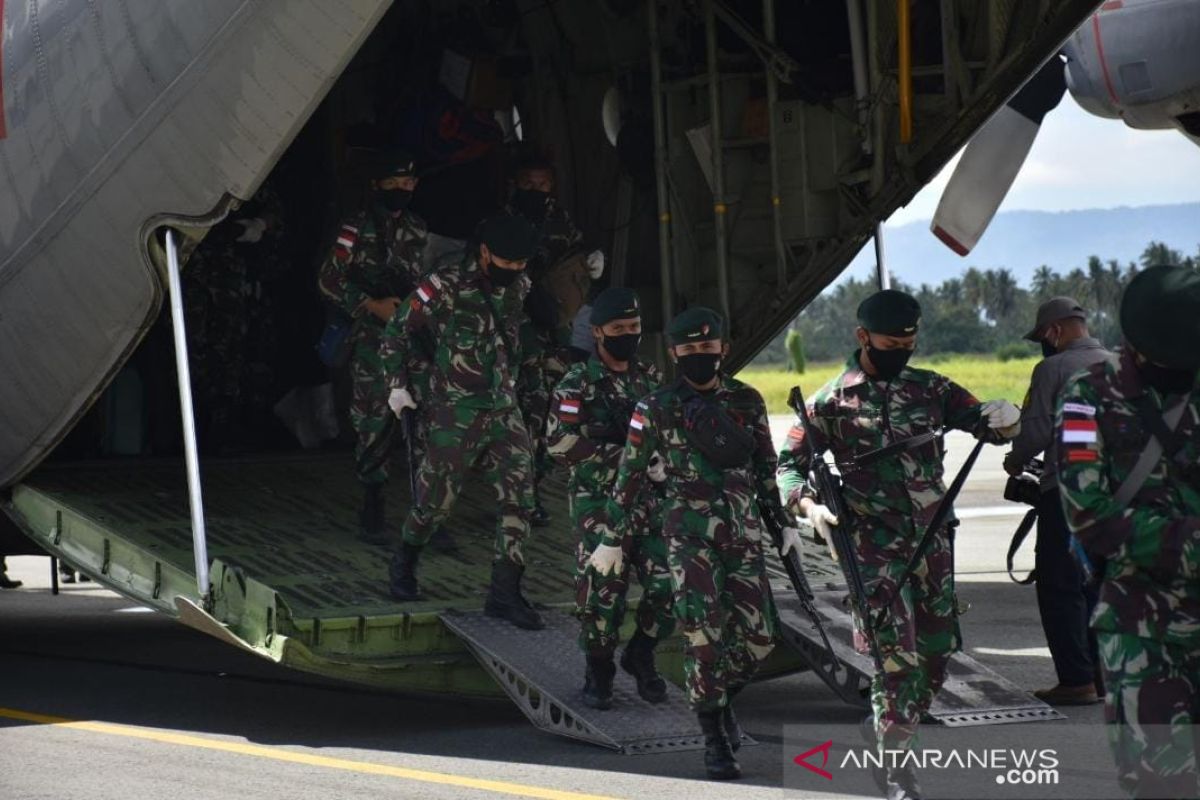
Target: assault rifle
x: 829, y: 490
x: 408, y: 427
x: 795, y: 571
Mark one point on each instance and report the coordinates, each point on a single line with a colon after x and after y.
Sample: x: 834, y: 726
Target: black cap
x: 392, y: 162
x: 615, y: 303
x: 1053, y: 310
x: 1160, y: 316
x: 509, y: 236
x: 697, y: 324
x: 890, y: 313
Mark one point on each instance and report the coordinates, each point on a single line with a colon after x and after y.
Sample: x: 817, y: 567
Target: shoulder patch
x: 346, y: 239
x: 429, y: 289
x: 1082, y: 409
x: 568, y: 407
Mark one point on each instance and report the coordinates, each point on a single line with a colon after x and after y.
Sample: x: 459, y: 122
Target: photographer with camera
x: 1065, y: 600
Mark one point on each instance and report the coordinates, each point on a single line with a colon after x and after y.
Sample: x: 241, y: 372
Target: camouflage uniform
x: 592, y: 401
x: 714, y: 534
x: 375, y: 256
x: 232, y: 350
x: 891, y: 504
x: 1148, y: 617
x: 471, y: 403
x: 545, y: 351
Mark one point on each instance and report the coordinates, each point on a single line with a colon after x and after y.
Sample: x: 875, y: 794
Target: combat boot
x: 902, y: 784
x: 732, y: 729
x: 638, y: 661
x: 402, y: 573
x: 718, y: 755
x: 598, y: 682
x: 505, y: 599
x: 371, y: 524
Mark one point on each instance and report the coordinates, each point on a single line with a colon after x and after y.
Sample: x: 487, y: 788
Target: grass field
x: 986, y: 378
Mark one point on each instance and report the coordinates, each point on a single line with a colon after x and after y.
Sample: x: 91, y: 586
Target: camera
x: 1026, y: 487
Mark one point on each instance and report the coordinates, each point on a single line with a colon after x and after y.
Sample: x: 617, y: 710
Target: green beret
x: 890, y: 313
x: 1160, y: 316
x: 697, y: 324
x: 613, y: 304
x: 509, y: 236
x: 393, y: 163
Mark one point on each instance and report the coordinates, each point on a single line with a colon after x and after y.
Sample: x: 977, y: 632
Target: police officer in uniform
x: 472, y: 313
x: 374, y: 262
x: 1129, y: 472
x: 589, y: 418
x: 878, y: 400
x: 711, y: 433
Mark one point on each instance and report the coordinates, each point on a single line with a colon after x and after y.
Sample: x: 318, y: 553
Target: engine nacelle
x: 1138, y: 60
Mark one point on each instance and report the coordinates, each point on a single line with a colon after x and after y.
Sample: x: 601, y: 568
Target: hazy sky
x: 1083, y: 161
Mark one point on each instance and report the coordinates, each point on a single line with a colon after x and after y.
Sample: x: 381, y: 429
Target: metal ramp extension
x: 972, y: 695
x: 542, y: 672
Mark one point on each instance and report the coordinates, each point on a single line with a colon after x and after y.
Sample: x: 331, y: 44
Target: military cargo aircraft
x: 732, y: 153
x: 1134, y: 60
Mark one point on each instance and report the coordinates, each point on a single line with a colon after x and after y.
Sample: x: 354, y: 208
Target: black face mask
x: 532, y: 204
x: 1048, y: 349
x: 700, y: 368
x: 502, y: 278
x: 1167, y: 380
x: 623, y: 347
x: 888, y: 363
x: 394, y: 200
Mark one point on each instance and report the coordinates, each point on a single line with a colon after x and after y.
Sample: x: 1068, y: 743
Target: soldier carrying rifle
x: 879, y: 402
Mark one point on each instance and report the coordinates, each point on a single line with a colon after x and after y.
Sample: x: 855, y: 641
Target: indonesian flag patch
x: 568, y: 409
x: 427, y: 291
x: 1080, y: 436
x: 1079, y: 431
x: 637, y: 424
x: 346, y: 239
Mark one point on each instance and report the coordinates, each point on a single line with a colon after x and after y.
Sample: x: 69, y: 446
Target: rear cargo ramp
x: 542, y: 671
x: 973, y: 694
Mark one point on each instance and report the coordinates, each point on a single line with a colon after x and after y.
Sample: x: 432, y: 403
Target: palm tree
x: 1043, y: 281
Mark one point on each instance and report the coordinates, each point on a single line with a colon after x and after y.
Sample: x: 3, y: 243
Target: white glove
x: 595, y: 263
x: 657, y: 469
x: 399, y: 400
x: 1001, y: 413
x: 791, y: 541
x: 252, y: 230
x: 822, y: 519
x: 605, y: 559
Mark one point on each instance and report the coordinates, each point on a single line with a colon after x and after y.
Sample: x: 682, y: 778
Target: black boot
x: 718, y: 756
x: 402, y: 573
x: 505, y: 599
x: 732, y: 729
x: 902, y: 784
x: 598, y: 682
x: 638, y: 661
x: 371, y: 526
x: 8, y: 583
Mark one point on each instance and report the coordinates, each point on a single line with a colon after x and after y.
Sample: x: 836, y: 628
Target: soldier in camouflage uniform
x: 877, y: 400
x: 376, y: 261
x: 231, y: 348
x: 542, y: 342
x: 710, y: 432
x: 589, y: 417
x: 472, y: 313
x: 1129, y: 471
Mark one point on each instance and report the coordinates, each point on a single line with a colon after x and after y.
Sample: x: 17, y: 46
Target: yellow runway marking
x: 423, y: 776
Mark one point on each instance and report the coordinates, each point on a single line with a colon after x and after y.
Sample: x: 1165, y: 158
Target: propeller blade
x: 992, y: 160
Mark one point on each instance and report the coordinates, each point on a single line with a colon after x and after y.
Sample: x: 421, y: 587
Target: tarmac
x: 100, y: 699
